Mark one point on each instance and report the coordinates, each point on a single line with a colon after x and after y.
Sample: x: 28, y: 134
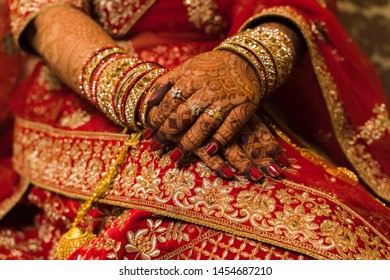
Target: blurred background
x: 368, y: 21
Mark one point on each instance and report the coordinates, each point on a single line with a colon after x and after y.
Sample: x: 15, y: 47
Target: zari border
x: 143, y: 185
x: 140, y: 11
x: 180, y: 250
x: 363, y: 161
x: 9, y: 203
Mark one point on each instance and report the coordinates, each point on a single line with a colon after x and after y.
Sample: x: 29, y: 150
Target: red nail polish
x: 274, y: 170
x: 256, y: 174
x: 154, y: 145
x: 283, y: 160
x: 148, y: 133
x: 176, y: 155
x: 211, y: 148
x: 227, y: 172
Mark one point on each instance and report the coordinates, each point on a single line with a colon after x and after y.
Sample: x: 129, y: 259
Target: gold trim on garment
x: 128, y: 13
x: 363, y: 161
x: 376, y: 127
x: 282, y: 213
x: 203, y: 14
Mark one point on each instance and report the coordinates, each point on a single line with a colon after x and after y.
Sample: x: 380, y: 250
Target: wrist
x: 268, y: 49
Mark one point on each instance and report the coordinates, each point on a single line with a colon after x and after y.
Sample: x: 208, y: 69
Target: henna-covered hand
x: 254, y: 152
x: 203, y: 103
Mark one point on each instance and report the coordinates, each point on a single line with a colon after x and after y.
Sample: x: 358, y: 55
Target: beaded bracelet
x: 118, y: 83
x: 268, y: 50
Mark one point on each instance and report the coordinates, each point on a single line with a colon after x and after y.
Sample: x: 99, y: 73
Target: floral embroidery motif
x: 374, y: 128
x: 281, y: 212
x: 143, y: 242
x: 203, y: 14
x: 118, y: 16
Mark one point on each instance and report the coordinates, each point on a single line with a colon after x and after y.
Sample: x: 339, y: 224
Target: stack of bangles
x: 120, y: 85
x: 269, y: 50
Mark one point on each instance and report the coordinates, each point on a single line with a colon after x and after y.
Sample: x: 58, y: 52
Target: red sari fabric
x: 62, y: 146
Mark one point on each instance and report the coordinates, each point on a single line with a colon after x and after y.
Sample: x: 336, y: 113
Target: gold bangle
x: 134, y: 98
x: 279, y: 45
x: 262, y: 54
x: 268, y: 49
x: 106, y: 85
x: 143, y: 109
x: 90, y: 66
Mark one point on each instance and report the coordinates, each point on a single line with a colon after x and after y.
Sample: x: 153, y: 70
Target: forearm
x: 65, y: 37
x: 87, y: 59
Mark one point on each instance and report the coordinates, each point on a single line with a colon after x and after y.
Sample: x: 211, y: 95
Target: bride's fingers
x: 234, y: 121
x: 164, y: 101
x: 237, y: 158
x: 182, y: 119
x: 215, y: 163
x: 257, y: 151
x: 268, y: 142
x: 203, y: 128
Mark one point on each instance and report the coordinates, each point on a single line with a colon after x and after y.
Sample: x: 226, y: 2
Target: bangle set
x: 268, y: 50
x: 119, y: 84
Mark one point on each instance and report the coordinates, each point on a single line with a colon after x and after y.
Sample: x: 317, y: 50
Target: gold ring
x: 195, y: 109
x: 216, y: 113
x: 176, y: 93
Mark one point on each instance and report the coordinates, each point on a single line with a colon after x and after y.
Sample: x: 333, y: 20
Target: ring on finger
x: 215, y: 113
x: 176, y: 93
x: 195, y: 109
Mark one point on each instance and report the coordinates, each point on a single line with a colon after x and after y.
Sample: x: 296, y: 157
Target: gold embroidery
x: 368, y: 168
x: 374, y: 128
x: 48, y: 79
x: 144, y: 242
x: 118, y: 16
x: 203, y: 14
x: 281, y: 213
x: 74, y: 119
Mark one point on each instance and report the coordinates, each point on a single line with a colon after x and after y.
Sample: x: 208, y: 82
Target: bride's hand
x: 203, y: 103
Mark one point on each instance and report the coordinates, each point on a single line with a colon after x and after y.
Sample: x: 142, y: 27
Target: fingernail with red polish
x: 283, y: 160
x: 176, y: 155
x: 256, y: 174
x: 227, y: 172
x: 155, y: 145
x: 211, y: 148
x: 148, y: 133
x: 274, y: 170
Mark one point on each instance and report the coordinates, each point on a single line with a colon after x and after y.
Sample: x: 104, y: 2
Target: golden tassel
x: 76, y: 236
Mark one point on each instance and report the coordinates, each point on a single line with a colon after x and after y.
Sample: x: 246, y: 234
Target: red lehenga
x: 333, y: 100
